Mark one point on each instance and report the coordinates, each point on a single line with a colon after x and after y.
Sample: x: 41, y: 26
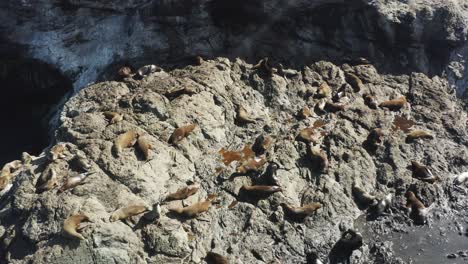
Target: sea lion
x: 264, y: 65
x: 300, y: 213
x: 251, y: 165
x: 417, y: 210
x: 147, y: 70
x: 308, y: 135
x: 154, y: 214
x: 72, y: 182
x: 144, y: 146
x: 354, y: 81
x: 323, y: 91
x: 319, y: 157
x: 415, y: 134
x: 125, y: 140
x: 183, y: 193
x: 375, y: 137
x: 262, y: 144
x: 174, y: 93
x: 180, y: 133
x: 334, y: 107
x: 57, y: 152
x: 370, y: 101
x: 422, y: 173
x: 215, y: 258
x: 286, y: 72
x: 344, y: 247
x: 128, y: 211
x: 381, y: 206
x: 243, y: 117
x: 48, y: 180
x: 271, y: 173
x: 113, y: 117
x: 261, y: 189
x: 194, y: 209
x: 72, y: 224
x: 124, y: 72
x: 395, y: 104
x: 362, y: 197
x: 305, y: 112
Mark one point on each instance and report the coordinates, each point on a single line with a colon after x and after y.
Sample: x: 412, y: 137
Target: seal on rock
x: 395, y: 104
x: 417, y: 210
x: 195, y: 209
x: 72, y: 224
x: 181, y: 133
x: 243, y: 117
x: 354, y: 81
x: 128, y: 211
x: 113, y: 117
x: 72, y: 182
x: 423, y: 173
x: 125, y: 140
x: 215, y: 258
x: 261, y: 189
x: 416, y: 134
x: 251, y: 165
x: 183, y: 193
x: 144, y: 146
x: 57, y: 152
x: 300, y: 213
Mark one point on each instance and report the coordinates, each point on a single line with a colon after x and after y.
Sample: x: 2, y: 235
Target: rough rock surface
x: 250, y: 230
x: 87, y: 39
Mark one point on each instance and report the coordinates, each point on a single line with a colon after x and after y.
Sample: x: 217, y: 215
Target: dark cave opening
x: 31, y: 91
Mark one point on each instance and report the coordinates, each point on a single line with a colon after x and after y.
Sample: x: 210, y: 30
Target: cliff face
x: 86, y: 39
x: 245, y: 227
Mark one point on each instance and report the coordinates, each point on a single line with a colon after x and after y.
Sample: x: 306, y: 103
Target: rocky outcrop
x: 87, y: 40
x: 244, y: 226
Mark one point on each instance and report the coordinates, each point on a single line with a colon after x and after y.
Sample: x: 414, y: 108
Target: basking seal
x: 126, y: 212
x: 48, y: 180
x: 251, y: 165
x: 362, y: 197
x: 72, y: 182
x: 125, y: 140
x: 370, y: 101
x: 381, y: 206
x: 416, y: 134
x: 422, y: 173
x: 262, y: 144
x: 354, y: 81
x: 395, y: 104
x: 124, y: 72
x: 334, y: 107
x: 417, y: 210
x: 323, y: 91
x: 300, y: 213
x: 308, y: 135
x: 113, y: 117
x: 243, y: 117
x: 72, y: 224
x: 215, y: 258
x: 57, y: 152
x: 183, y: 193
x: 261, y: 189
x: 265, y: 66
x: 144, y: 146
x: 319, y: 157
x: 305, y: 112
x: 195, y: 209
x: 181, y: 133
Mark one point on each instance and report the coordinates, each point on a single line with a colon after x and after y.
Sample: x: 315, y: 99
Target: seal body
x: 319, y: 157
x: 354, y: 81
x: 308, y: 135
x: 333, y: 107
x: 144, y: 146
x: 181, y: 133
x: 362, y: 197
x: 323, y: 91
x: 395, y: 104
x: 183, y: 193
x: 243, y: 117
x: 264, y: 66
x: 194, y: 209
x: 370, y: 101
x: 262, y: 144
x: 215, y: 258
x: 48, y: 180
x: 72, y: 223
x: 113, y: 117
x: 72, y: 182
x: 300, y: 213
x: 251, y: 165
x: 57, y: 152
x: 125, y: 140
x: 418, y: 211
x: 261, y: 189
x: 416, y: 134
x: 422, y: 173
x: 126, y: 212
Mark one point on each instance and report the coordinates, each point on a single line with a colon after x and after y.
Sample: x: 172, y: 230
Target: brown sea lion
x: 243, y: 117
x: 416, y: 134
x: 262, y: 144
x: 370, y: 101
x: 264, y: 65
x: 423, y: 173
x: 72, y: 182
x: 261, y: 189
x: 418, y: 212
x: 181, y: 133
x: 57, y: 152
x: 194, y: 209
x: 395, y: 104
x: 183, y: 193
x: 301, y: 212
x: 354, y: 81
x: 113, y: 117
x: 128, y: 211
x: 323, y: 91
x: 334, y: 107
x: 304, y: 112
x: 215, y: 258
x: 144, y: 146
x: 72, y: 224
x: 125, y: 140
x: 362, y: 197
